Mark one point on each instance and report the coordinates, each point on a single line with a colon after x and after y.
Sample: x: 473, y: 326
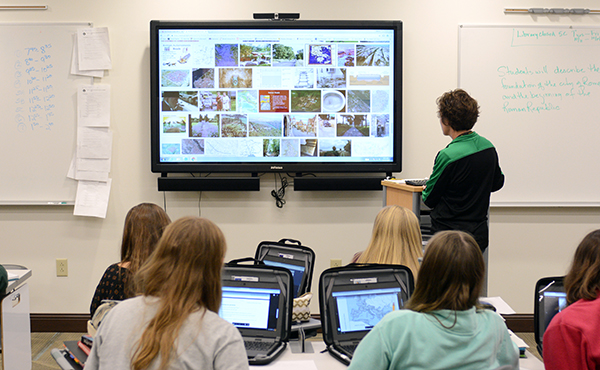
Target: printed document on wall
x: 75, y: 63
x: 94, y: 49
x: 93, y: 105
x: 94, y: 142
x: 92, y: 198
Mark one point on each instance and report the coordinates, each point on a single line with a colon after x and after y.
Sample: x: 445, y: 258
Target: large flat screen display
x: 276, y: 96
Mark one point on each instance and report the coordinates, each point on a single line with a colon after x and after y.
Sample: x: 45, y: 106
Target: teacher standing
x: 465, y: 173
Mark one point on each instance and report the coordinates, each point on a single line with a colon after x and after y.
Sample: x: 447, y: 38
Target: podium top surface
x: 397, y: 184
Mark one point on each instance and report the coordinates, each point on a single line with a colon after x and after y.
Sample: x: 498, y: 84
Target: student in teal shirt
x: 443, y: 326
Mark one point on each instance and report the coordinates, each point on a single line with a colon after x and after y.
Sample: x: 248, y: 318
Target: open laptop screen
x: 360, y: 310
x: 250, y: 307
x: 296, y: 270
x: 554, y: 302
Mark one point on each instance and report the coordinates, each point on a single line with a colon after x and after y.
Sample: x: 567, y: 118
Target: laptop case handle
x: 239, y: 261
x: 289, y: 241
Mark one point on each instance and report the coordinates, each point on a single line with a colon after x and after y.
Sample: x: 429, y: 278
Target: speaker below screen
x: 208, y: 184
x: 337, y: 183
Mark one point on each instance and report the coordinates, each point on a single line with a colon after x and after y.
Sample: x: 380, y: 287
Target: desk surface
x: 306, y: 361
x: 324, y: 361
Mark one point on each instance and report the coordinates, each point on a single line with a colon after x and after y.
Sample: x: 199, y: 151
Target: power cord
x: 279, y: 194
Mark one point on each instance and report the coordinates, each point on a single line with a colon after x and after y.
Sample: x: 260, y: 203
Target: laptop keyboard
x: 257, y: 346
x: 350, y: 348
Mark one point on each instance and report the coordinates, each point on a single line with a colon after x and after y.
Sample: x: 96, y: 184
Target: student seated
x: 174, y: 323
x: 442, y: 327
x: 572, y: 340
x: 3, y: 280
x: 144, y: 225
x: 396, y: 239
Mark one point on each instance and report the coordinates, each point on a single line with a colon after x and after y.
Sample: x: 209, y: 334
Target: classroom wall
x: 525, y: 243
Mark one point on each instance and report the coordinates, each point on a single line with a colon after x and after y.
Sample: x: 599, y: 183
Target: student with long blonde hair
x: 396, y: 239
x: 174, y: 323
x: 443, y: 326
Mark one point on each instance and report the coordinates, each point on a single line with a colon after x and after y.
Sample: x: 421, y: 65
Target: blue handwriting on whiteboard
x: 32, y: 69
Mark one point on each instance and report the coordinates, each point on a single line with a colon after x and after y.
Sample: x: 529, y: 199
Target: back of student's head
x: 185, y: 273
x: 186, y: 264
x: 583, y: 279
x: 396, y: 239
x: 144, y: 225
x: 451, y: 275
x: 458, y: 109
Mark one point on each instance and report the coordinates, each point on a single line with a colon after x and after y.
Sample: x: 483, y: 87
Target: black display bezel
x: 261, y: 167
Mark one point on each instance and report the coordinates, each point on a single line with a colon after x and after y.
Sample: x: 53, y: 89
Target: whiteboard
x: 38, y: 102
x: 539, y: 92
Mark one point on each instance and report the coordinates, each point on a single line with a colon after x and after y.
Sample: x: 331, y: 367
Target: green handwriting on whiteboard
x: 546, y: 88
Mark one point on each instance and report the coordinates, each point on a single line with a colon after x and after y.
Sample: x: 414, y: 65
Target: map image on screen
x: 361, y: 310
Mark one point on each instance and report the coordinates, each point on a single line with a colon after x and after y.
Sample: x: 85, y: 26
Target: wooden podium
x: 400, y: 194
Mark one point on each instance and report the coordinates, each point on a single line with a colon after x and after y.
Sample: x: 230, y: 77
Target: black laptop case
x: 291, y: 254
x: 352, y: 285
x: 549, y: 299
x: 236, y: 276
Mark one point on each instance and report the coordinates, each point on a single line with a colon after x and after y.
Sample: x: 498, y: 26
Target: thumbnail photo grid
x: 286, y: 100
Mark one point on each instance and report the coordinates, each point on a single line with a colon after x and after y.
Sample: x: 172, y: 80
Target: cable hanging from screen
x: 279, y: 194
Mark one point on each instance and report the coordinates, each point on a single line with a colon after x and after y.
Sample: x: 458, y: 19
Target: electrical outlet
x: 62, y: 267
x: 335, y: 263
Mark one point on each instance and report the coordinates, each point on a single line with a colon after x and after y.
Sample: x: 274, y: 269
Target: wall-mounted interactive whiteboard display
x: 539, y: 92
x: 38, y: 105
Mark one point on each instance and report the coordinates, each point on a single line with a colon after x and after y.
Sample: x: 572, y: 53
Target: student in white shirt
x: 174, y: 323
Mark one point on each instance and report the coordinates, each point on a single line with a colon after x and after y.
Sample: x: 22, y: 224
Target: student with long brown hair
x: 174, y: 323
x: 396, y: 239
x: 144, y: 224
x: 443, y: 326
x: 572, y: 340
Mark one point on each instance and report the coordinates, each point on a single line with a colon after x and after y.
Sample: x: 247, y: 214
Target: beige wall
x: 525, y: 243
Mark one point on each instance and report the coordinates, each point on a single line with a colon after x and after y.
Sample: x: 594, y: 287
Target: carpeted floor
x: 42, y: 344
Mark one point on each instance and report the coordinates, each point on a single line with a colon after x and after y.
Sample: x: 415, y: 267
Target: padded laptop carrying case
x: 238, y: 275
x: 340, y: 283
x: 549, y: 299
x: 289, y: 252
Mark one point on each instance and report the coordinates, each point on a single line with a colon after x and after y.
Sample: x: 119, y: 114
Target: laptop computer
x: 550, y: 299
x: 297, y: 269
x: 258, y: 301
x: 292, y: 255
x: 354, y: 298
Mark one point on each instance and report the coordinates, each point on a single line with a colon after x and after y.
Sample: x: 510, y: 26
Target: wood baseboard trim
x: 59, y: 322
x: 519, y: 322
x: 77, y: 323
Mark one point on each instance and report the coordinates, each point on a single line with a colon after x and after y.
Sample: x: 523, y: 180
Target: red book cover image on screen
x: 274, y: 101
